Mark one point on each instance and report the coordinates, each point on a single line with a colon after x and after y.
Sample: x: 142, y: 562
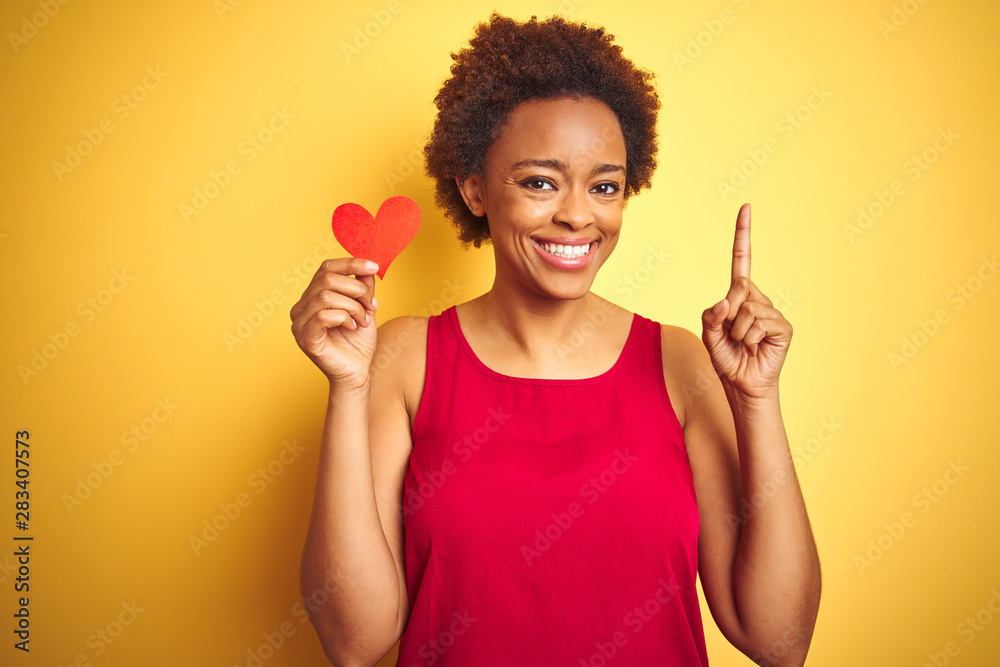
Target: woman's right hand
x: 329, y: 321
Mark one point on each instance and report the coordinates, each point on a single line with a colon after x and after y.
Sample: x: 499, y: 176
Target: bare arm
x: 346, y: 552
x: 760, y: 568
x: 757, y: 558
x: 352, y: 576
x: 776, y: 578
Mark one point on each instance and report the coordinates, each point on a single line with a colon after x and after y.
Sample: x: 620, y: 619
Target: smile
x: 564, y: 257
x: 567, y: 251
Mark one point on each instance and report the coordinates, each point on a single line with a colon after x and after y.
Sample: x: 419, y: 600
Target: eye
x: 537, y: 183
x: 607, y: 188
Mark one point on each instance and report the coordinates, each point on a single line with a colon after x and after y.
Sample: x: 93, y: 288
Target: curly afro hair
x: 507, y: 63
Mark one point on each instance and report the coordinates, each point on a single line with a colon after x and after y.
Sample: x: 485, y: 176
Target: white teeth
x: 567, y: 251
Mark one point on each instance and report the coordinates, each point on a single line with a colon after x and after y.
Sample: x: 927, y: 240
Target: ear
x: 473, y: 193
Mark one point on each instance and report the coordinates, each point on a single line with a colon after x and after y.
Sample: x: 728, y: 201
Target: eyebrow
x: 559, y: 165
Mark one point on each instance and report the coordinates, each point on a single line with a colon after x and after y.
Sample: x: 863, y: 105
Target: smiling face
x: 555, y: 177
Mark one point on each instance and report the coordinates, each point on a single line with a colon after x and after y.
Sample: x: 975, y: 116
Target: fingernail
x: 374, y: 302
x: 371, y: 266
x: 368, y: 319
x: 718, y: 308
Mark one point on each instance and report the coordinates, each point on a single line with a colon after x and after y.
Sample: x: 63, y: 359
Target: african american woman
x: 538, y: 476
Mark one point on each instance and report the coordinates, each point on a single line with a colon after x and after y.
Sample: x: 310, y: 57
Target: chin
x: 569, y: 291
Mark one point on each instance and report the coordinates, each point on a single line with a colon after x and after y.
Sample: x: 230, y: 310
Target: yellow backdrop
x: 169, y: 172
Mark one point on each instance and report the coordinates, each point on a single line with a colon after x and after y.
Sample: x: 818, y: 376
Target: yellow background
x: 852, y: 299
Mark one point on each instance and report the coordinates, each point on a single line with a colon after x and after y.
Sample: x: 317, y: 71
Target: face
x: 555, y: 176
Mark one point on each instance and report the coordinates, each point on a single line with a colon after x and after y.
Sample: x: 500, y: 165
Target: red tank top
x: 549, y: 521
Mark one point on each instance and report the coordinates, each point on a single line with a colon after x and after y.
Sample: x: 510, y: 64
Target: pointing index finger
x: 741, y: 244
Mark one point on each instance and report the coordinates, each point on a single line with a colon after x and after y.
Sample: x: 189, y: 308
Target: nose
x: 574, y: 208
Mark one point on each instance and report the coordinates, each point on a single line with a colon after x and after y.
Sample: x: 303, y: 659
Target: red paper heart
x: 381, y: 238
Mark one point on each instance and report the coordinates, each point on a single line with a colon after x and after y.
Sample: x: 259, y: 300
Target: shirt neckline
x: 452, y: 316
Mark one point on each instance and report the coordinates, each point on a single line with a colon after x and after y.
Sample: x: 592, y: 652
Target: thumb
x: 711, y: 322
x: 369, y: 280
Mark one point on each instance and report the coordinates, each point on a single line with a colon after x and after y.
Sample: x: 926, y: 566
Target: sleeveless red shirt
x: 549, y: 521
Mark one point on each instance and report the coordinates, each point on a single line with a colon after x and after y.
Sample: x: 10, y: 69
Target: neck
x: 535, y: 325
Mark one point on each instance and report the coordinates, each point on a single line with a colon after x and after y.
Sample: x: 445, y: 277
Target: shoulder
x: 687, y: 368
x: 401, y: 331
x: 683, y: 346
x: 400, y: 362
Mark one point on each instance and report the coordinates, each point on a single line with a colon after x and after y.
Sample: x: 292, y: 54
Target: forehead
x: 581, y: 130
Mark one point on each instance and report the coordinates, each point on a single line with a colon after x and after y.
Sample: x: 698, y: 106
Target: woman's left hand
x: 746, y: 336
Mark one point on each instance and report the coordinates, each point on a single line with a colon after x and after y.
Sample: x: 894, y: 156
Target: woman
x: 537, y: 476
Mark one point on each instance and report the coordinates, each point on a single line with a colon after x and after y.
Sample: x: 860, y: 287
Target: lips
x: 569, y: 251
x: 566, y: 255
x: 563, y: 241
x: 566, y: 246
